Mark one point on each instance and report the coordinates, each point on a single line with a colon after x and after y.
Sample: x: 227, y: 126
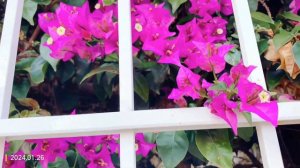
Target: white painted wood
x: 137, y: 121
x: 268, y: 141
x: 127, y: 151
x: 8, y: 50
x: 128, y: 121
x: 127, y: 139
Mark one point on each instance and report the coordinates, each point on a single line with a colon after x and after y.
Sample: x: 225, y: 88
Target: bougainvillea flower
x: 204, y: 7
x: 153, y: 37
x: 101, y: 7
x: 212, y: 57
x: 88, y: 145
x: 139, y: 2
x: 8, y: 162
x: 226, y: 7
x: 156, y: 15
x: 254, y: 99
x: 177, y: 96
x: 295, y: 6
x: 112, y: 142
x: 76, y: 31
x: 46, y: 19
x: 101, y: 159
x: 50, y: 148
x: 240, y: 71
x: 142, y: 146
x: 102, y: 26
x: 224, y: 108
x: 188, y: 82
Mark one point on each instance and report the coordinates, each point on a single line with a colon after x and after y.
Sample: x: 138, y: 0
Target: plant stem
x: 76, y: 159
x: 266, y: 7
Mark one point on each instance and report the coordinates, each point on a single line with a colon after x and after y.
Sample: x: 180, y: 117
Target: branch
x: 266, y: 7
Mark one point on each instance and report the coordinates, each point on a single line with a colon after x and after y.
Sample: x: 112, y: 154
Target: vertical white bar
x: 127, y: 139
x: 267, y: 136
x: 8, y: 50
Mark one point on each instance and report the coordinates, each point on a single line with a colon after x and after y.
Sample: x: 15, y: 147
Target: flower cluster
x: 201, y: 45
x: 97, y: 150
x: 76, y: 31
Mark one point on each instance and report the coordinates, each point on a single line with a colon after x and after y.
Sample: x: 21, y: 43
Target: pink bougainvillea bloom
x: 168, y: 50
x: 102, y: 26
x: 224, y: 108
x: 8, y: 162
x: 295, y: 6
x: 111, y: 44
x: 204, y: 7
x: 156, y: 15
x: 240, y: 71
x: 139, y: 2
x: 188, y: 33
x: 226, y: 7
x: 212, y: 58
x: 188, y: 82
x: 255, y: 100
x: 101, y: 159
x: 102, y: 8
x: 112, y: 142
x: 142, y: 146
x: 46, y: 19
x: 88, y: 145
x: 177, y: 96
x: 63, y: 48
x: 50, y: 148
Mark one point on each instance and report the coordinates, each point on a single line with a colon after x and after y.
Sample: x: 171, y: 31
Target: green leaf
x: 74, y: 2
x: 38, y: 70
x: 281, y: 38
x: 248, y: 117
x: 274, y: 78
x: 172, y: 147
x: 259, y: 16
x: 108, y: 2
x: 141, y: 86
x: 65, y: 71
x: 60, y: 163
x: 263, y: 45
x: 246, y: 133
x: 233, y: 57
x: 215, y: 147
x: 20, y: 89
x: 15, y: 146
x: 42, y: 2
x: 29, y: 10
x: 111, y: 58
x: 175, y: 4
x: 193, y: 147
x: 253, y: 4
x: 150, y: 137
x: 112, y: 68
x: 74, y: 157
x: 24, y: 64
x: 45, y: 53
x: 291, y: 16
x: 296, y: 50
x: 218, y: 86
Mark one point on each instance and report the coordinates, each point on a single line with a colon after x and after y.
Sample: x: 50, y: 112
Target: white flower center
x: 50, y: 41
x: 220, y: 31
x: 97, y: 6
x: 61, y: 30
x: 138, y: 27
x: 264, y: 97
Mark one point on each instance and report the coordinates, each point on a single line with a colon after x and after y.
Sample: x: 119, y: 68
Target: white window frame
x: 128, y: 121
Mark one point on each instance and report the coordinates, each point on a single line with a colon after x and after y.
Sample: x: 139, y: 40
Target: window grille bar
x: 127, y: 139
x: 269, y: 145
x: 8, y: 50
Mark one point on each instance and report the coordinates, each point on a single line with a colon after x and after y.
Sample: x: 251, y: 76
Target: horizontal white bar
x: 137, y: 121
